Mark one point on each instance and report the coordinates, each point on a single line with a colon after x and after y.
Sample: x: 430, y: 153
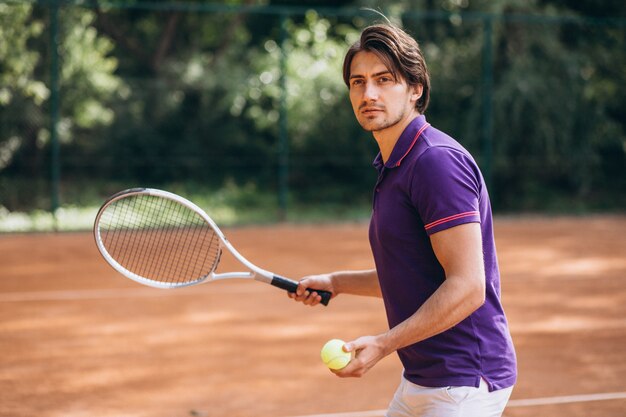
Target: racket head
x: 158, y: 238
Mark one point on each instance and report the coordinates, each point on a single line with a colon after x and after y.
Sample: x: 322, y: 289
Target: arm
x: 342, y: 282
x: 459, y: 251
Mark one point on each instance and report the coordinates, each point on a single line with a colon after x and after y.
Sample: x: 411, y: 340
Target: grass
x: 230, y: 205
x: 68, y: 218
x: 65, y: 219
x: 233, y: 204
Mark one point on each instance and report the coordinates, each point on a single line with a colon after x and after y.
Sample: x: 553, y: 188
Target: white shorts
x: 411, y: 400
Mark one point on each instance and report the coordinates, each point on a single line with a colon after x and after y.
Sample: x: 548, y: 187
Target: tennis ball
x: 334, y: 356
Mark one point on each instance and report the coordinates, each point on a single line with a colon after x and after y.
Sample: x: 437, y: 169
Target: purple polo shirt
x: 431, y: 183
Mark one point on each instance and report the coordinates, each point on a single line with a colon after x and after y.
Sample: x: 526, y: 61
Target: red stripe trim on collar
x: 417, y: 135
x: 450, y: 218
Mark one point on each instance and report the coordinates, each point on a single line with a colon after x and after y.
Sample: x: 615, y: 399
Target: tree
x: 21, y: 93
x: 87, y: 81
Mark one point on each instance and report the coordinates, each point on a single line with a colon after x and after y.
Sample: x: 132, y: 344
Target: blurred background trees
x: 208, y: 96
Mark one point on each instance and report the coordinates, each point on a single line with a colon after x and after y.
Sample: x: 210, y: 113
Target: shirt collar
x: 405, y: 143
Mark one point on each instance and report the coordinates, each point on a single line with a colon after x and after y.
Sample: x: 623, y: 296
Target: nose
x: 370, y: 93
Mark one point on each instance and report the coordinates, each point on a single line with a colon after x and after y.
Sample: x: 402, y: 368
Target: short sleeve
x: 445, y: 189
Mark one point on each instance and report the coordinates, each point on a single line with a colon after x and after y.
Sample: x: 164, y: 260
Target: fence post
x: 487, y: 99
x: 54, y: 106
x: 283, y: 135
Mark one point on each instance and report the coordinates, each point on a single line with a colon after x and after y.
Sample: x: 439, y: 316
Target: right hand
x: 311, y: 298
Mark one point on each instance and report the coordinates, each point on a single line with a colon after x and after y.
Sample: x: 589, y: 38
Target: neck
x: 387, y: 138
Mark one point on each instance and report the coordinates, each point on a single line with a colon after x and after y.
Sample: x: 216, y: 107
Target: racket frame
x: 255, y: 272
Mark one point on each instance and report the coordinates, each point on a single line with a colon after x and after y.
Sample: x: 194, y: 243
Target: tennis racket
x: 162, y: 240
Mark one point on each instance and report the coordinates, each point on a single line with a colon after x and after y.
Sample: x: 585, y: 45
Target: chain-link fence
x: 98, y: 96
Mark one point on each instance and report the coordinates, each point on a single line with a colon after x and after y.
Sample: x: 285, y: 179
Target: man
x: 432, y: 240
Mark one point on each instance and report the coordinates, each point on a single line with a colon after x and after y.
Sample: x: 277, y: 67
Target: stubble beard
x: 371, y: 125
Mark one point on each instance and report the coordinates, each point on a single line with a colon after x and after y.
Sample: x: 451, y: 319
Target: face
x: 380, y: 101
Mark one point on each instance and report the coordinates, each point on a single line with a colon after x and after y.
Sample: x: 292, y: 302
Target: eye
x: 356, y: 82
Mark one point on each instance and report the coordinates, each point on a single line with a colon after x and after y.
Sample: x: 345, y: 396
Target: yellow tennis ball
x: 334, y: 356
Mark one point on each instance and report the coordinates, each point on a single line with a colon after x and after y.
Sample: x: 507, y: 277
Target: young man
x: 432, y: 239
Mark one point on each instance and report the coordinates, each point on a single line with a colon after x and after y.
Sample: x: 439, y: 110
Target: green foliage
x: 552, y: 99
x: 555, y: 118
x: 325, y: 143
x: 17, y: 62
x: 88, y: 70
x: 21, y: 93
x: 87, y: 82
x: 194, y: 100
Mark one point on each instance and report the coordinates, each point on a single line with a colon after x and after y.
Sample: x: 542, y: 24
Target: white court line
x: 373, y: 413
x: 103, y: 294
x: 569, y: 399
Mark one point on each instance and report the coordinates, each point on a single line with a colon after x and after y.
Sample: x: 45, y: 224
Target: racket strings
x: 159, y: 239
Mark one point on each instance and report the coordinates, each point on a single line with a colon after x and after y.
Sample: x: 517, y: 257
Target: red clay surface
x: 77, y: 339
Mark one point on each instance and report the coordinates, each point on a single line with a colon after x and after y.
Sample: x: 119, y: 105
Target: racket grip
x: 291, y: 286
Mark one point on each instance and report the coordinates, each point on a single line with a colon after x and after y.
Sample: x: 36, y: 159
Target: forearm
x: 453, y: 301
x: 459, y: 251
x: 363, y: 283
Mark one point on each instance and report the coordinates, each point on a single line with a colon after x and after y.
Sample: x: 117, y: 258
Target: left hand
x: 368, y: 350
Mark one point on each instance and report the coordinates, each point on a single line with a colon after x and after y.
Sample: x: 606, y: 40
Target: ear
x: 417, y: 92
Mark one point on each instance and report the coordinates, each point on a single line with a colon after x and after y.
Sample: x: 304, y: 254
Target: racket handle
x: 291, y: 286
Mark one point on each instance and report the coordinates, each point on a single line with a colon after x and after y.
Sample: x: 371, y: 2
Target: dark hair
x: 399, y: 52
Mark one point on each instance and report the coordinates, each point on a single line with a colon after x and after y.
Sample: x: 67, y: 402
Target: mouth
x: 370, y: 111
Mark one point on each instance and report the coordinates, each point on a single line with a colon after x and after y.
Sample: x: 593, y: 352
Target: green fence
x: 215, y: 99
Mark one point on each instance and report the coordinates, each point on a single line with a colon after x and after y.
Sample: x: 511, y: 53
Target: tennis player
x: 431, y: 235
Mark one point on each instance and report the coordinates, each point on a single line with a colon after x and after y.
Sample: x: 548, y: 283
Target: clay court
x: 77, y: 339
